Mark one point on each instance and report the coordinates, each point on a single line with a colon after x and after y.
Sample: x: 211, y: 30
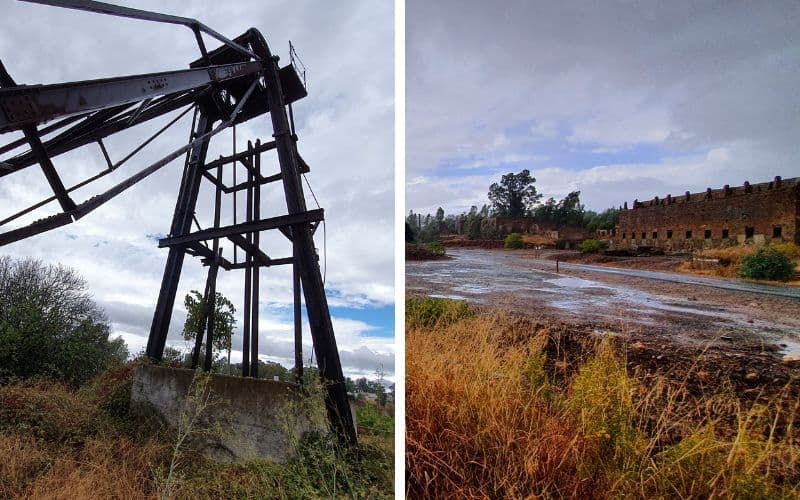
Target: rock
x: 751, y: 377
x: 726, y: 337
x: 660, y: 357
x: 692, y: 299
x: 638, y: 347
x: 703, y: 376
x: 750, y: 321
x: 792, y: 360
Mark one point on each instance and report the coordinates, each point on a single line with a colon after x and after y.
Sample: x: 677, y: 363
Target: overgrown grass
x: 56, y: 442
x: 488, y: 415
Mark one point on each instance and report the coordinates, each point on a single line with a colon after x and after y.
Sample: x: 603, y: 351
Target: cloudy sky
x: 618, y: 99
x: 345, y: 127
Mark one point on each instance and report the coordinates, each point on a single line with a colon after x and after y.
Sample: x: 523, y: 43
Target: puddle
x: 792, y: 347
x: 575, y: 283
x: 446, y: 296
x: 487, y: 277
x: 472, y: 289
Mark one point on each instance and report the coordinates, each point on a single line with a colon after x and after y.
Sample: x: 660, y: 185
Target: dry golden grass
x: 488, y: 417
x: 536, y: 239
x: 58, y: 443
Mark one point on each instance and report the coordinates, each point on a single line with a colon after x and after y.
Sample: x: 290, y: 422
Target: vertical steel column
x: 248, y: 273
x: 212, y: 314
x: 181, y: 224
x: 298, y: 320
x: 319, y: 318
x: 256, y: 163
x: 198, y: 339
x: 211, y: 301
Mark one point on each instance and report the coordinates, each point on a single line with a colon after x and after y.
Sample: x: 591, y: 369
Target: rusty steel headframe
x: 236, y: 82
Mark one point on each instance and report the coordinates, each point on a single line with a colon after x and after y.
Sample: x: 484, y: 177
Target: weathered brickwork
x: 529, y: 225
x: 757, y: 213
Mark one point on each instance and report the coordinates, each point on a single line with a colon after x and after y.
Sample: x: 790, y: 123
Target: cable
x: 324, y: 234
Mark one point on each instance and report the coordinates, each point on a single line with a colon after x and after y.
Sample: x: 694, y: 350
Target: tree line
x: 50, y: 327
x: 514, y: 196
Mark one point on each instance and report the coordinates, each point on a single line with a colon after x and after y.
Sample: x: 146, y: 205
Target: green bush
x: 434, y: 311
x: 435, y: 248
x: 513, y: 240
x: 591, y: 246
x: 372, y: 421
x: 768, y: 264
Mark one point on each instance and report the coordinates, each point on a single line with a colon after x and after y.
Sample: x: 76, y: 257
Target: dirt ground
x: 735, y: 337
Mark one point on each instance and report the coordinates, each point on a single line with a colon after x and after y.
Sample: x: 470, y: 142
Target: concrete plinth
x: 254, y: 418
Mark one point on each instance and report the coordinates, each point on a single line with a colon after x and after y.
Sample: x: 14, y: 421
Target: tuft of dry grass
x: 489, y: 416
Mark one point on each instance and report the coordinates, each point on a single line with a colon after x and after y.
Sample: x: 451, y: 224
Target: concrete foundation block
x: 250, y: 419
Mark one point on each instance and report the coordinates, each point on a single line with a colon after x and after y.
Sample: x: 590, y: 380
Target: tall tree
x: 50, y: 326
x: 515, y: 195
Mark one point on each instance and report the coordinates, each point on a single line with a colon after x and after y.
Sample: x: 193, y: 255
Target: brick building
x: 529, y: 225
x: 757, y: 213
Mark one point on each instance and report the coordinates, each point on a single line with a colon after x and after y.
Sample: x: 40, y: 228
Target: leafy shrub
x: 591, y: 246
x: 435, y: 248
x: 372, y: 421
x: 433, y: 311
x: 50, y: 326
x: 513, y: 240
x: 767, y: 263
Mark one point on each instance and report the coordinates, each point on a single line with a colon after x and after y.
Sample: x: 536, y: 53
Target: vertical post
x: 248, y: 272
x: 198, y: 339
x: 235, y: 192
x: 298, y: 320
x: 319, y: 318
x: 211, y: 301
x: 212, y: 312
x: 181, y: 224
x: 256, y: 163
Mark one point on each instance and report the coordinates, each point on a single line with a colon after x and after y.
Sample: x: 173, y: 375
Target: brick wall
x: 761, y: 213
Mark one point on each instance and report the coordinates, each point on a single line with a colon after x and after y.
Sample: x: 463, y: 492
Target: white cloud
x: 686, y: 80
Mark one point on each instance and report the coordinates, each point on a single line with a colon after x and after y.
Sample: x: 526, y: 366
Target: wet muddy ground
x: 737, y: 329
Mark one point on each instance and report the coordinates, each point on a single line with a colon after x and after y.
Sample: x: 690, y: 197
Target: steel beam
x: 300, y: 218
x: 181, y: 224
x: 31, y: 104
x: 144, y: 15
x: 319, y: 318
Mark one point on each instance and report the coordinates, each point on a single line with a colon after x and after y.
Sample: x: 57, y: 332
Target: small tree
x: 224, y: 322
